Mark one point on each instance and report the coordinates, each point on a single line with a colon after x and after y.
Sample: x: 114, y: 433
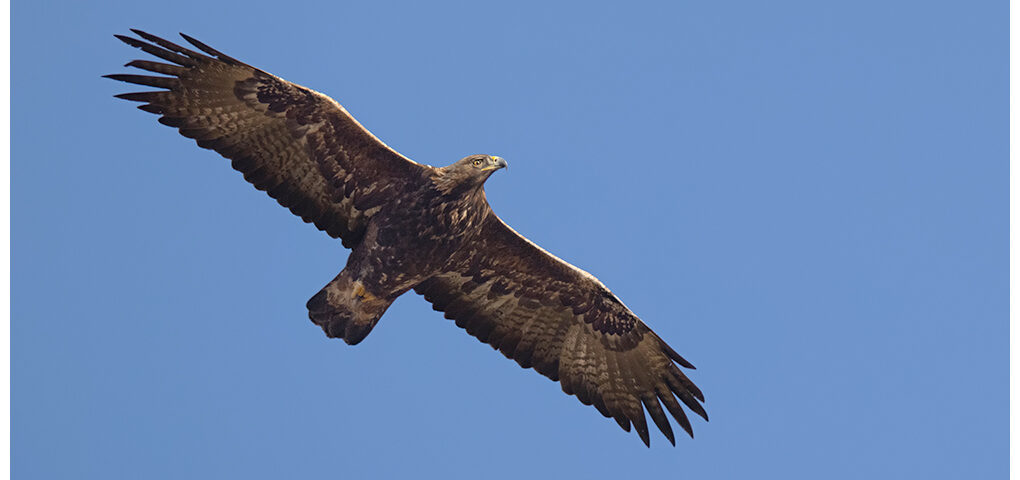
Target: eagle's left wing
x: 299, y: 146
x: 551, y: 316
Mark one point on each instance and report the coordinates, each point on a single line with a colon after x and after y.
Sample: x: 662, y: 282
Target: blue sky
x: 808, y: 200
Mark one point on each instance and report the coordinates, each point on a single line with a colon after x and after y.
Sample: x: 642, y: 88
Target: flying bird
x: 416, y: 227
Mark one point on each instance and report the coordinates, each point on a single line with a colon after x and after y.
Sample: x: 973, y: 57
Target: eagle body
x: 415, y: 227
x: 432, y: 220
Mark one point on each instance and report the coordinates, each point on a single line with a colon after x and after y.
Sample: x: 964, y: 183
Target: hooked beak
x: 499, y: 163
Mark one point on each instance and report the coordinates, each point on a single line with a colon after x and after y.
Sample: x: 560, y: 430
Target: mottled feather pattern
x: 415, y: 226
x: 548, y: 315
x: 299, y: 146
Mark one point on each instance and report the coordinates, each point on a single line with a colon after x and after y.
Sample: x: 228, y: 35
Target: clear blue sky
x: 807, y: 199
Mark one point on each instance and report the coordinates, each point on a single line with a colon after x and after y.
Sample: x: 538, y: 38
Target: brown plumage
x: 413, y: 226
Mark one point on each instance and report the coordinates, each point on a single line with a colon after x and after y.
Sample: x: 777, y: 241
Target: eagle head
x: 468, y: 173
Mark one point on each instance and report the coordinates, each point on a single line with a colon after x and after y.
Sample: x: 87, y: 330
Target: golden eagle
x: 413, y: 226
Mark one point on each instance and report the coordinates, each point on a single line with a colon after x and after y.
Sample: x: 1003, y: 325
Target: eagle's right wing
x: 298, y: 145
x: 551, y: 316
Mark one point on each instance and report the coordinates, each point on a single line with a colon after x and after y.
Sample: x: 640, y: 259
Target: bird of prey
x: 416, y: 227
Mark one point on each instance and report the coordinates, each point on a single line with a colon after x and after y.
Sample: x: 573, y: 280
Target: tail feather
x: 346, y: 310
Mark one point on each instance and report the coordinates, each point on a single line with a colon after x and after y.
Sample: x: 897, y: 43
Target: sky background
x: 808, y: 200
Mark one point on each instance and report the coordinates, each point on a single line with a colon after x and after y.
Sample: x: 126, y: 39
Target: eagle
x: 411, y: 226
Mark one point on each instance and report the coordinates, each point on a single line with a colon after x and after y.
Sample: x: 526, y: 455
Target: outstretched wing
x: 551, y: 316
x: 298, y: 145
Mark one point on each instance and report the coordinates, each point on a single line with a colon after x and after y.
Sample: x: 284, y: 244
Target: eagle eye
x: 477, y: 162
